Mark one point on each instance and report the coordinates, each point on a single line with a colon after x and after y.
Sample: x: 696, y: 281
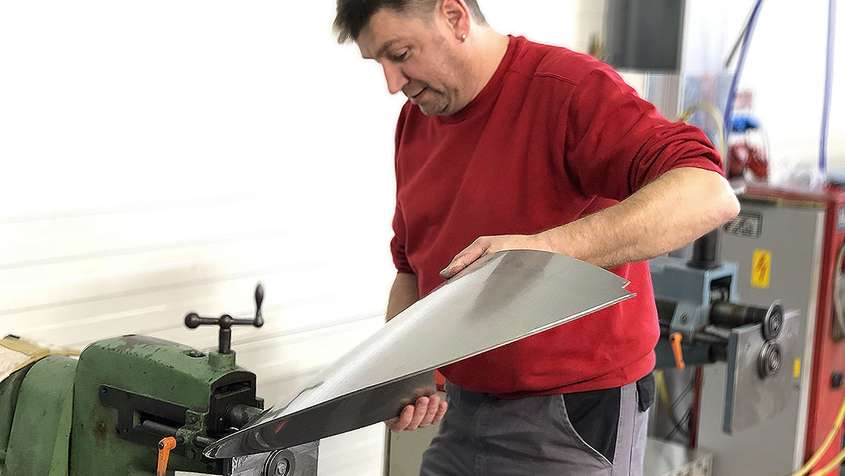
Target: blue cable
x: 828, y: 85
x: 743, y: 52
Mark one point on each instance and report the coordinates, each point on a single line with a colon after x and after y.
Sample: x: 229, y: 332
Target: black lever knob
x: 259, y: 299
x: 225, y: 322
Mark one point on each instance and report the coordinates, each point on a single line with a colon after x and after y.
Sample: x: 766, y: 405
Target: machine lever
x: 164, y: 447
x: 675, y: 339
x: 225, y: 322
x: 259, y: 299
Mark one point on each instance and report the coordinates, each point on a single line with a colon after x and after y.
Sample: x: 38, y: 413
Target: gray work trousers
x: 482, y: 435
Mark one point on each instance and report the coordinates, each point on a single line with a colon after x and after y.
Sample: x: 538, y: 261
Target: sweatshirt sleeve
x: 397, y: 243
x: 616, y: 142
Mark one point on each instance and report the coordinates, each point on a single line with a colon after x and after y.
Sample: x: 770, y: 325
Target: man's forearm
x: 403, y: 293
x: 670, y: 212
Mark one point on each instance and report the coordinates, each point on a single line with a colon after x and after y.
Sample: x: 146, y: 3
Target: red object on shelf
x: 748, y: 158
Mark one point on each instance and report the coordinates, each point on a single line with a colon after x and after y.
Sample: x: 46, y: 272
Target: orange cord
x: 164, y: 446
x: 675, y: 340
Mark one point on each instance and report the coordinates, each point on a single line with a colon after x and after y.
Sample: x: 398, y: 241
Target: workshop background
x: 162, y: 157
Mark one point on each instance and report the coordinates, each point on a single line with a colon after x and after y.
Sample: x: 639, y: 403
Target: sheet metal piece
x: 509, y: 296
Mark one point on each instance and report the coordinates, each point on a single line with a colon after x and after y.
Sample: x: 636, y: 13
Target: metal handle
x: 226, y: 321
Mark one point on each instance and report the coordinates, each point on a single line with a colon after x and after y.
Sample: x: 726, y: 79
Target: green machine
x: 118, y: 408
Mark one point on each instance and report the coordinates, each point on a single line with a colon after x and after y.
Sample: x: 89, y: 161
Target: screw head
x: 282, y: 467
x: 836, y: 380
x: 770, y: 360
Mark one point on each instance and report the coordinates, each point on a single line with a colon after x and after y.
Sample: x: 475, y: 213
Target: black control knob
x: 836, y: 380
x: 259, y: 299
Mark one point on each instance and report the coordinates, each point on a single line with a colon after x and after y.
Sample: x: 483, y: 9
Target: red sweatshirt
x: 553, y: 136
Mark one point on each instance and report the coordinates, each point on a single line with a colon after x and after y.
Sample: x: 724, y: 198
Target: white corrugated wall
x: 73, y: 278
x: 163, y: 157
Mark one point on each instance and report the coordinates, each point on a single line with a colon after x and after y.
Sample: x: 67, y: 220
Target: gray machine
x: 701, y: 323
x: 792, y: 232
x: 754, y: 350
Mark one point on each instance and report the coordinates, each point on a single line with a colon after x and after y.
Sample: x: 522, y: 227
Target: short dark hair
x: 353, y: 15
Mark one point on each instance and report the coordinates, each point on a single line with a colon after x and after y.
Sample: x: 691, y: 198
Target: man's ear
x: 457, y: 17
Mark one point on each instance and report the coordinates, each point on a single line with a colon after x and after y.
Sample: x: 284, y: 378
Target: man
x: 508, y: 144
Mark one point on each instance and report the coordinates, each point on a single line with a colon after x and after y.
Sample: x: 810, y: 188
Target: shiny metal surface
x: 506, y: 297
x: 750, y: 399
x: 297, y: 461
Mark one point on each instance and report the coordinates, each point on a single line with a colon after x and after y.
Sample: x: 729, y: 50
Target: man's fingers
x: 433, y: 405
x: 420, y: 409
x: 465, y: 258
x: 404, y: 419
x: 426, y: 411
x: 441, y: 410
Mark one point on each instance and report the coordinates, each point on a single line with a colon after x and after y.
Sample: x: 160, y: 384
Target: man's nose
x: 396, y: 80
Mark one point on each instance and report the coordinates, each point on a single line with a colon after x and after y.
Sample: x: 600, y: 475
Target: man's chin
x: 433, y: 109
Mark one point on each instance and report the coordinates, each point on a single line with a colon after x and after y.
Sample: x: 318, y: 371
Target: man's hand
x: 427, y: 411
x: 487, y: 245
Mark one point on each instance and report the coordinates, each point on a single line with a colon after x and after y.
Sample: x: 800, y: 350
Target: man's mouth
x: 415, y: 96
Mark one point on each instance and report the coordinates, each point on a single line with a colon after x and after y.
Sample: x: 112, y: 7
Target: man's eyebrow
x: 384, y: 48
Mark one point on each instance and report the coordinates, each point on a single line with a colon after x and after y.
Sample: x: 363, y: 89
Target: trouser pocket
x: 645, y: 392
x: 593, y: 418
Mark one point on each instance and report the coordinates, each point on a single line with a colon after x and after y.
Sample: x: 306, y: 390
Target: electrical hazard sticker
x: 761, y: 268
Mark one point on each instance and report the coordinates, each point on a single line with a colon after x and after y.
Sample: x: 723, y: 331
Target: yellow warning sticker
x: 761, y: 268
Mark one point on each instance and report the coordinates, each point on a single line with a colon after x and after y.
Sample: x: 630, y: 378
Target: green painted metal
x: 154, y: 368
x: 53, y: 421
x: 40, y: 433
x: 9, y: 388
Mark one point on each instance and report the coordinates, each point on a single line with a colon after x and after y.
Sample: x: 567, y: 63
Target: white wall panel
x: 129, y: 134
x: 75, y: 278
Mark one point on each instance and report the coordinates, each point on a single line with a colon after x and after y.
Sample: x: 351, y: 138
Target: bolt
x: 282, y: 467
x: 836, y: 380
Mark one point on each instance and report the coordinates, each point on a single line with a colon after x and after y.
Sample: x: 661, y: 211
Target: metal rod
x: 240, y: 415
x: 828, y: 84
x: 698, y: 337
x: 726, y: 314
x: 705, y: 251
x: 158, y: 428
x: 204, y: 441
x: 225, y: 340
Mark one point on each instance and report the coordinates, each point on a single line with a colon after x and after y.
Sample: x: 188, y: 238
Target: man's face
x: 419, y: 59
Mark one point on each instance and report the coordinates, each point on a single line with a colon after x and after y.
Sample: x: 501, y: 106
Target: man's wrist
x: 545, y: 241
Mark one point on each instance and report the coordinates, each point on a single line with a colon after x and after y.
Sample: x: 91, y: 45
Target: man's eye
x: 401, y: 56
